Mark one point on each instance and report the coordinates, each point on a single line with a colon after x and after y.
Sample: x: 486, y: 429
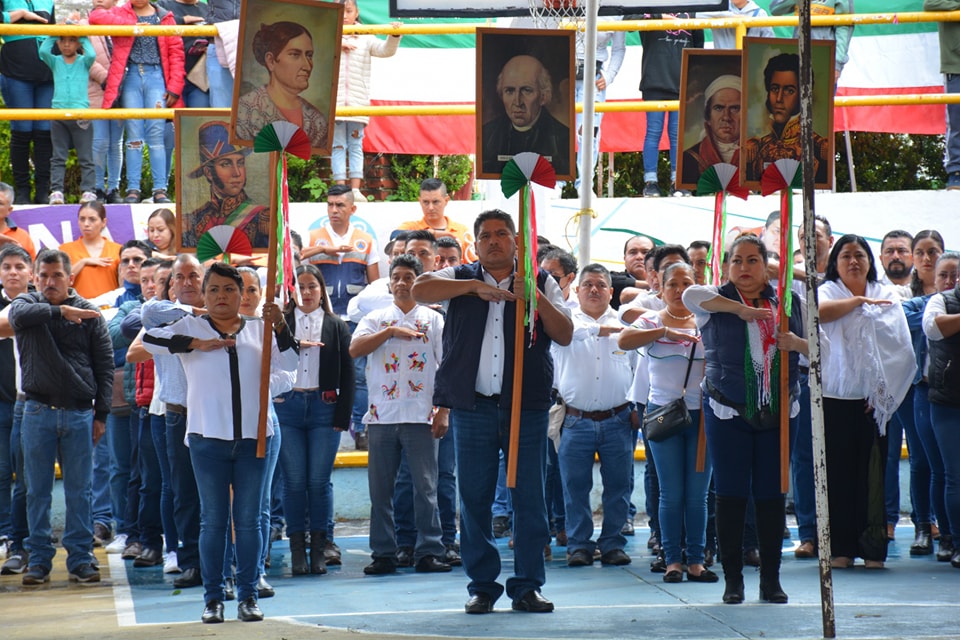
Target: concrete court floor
x: 912, y: 598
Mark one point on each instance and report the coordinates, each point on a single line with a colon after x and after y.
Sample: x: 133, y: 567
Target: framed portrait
x: 218, y: 182
x: 288, y: 67
x: 525, y: 88
x: 770, y: 128
x: 709, y: 112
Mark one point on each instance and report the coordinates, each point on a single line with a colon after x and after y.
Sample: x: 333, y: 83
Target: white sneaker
x: 56, y: 197
x: 88, y: 196
x: 118, y: 545
x: 170, y: 563
x: 358, y: 196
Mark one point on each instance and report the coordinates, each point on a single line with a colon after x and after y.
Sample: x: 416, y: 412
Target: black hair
x: 833, y: 274
x: 669, y: 250
x: 224, y: 270
x: 314, y: 270
x: 137, y: 244
x: 783, y: 62
x: 699, y: 244
x: 493, y: 214
x: 433, y: 184
x: 749, y: 238
x: 446, y: 242
x: 897, y: 233
x: 340, y: 190
x: 296, y: 239
x: 53, y: 256
x: 150, y: 262
x: 634, y: 238
x: 543, y: 250
x: 407, y: 261
x: 595, y: 267
x: 422, y: 234
x: 96, y: 206
x: 773, y: 217
x: 15, y: 251
x: 916, y: 286
x: 567, y: 262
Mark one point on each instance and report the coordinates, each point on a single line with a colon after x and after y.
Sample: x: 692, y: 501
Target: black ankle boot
x: 20, y: 165
x: 945, y: 552
x: 922, y: 543
x: 770, y: 520
x: 298, y: 554
x: 318, y: 542
x: 730, y: 514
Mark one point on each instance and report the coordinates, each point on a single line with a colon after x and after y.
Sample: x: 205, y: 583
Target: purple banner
x: 51, y: 226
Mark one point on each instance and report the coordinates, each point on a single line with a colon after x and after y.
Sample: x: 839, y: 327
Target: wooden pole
x: 518, y: 347
x: 270, y: 294
x: 828, y: 612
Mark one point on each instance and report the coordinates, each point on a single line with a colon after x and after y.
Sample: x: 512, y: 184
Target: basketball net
x: 557, y: 14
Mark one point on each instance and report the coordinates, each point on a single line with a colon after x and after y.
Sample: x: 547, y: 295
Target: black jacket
x: 63, y: 363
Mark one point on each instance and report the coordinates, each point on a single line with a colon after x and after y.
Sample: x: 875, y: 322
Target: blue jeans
x: 221, y: 82
x: 101, y: 502
x: 651, y: 143
x: 194, y: 97
x: 19, y: 94
x: 272, y: 455
x: 309, y: 449
x: 186, y: 500
x: 599, y: 96
x: 360, y: 397
x: 149, y: 518
x: 119, y: 443
x: 935, y: 455
x: 18, y: 505
x: 891, y: 480
x: 683, y: 493
x: 502, y: 504
x: 6, y: 466
x: 46, y: 432
x: 952, y: 147
x: 222, y: 465
x: 946, y: 428
x: 581, y: 440
x: 482, y: 433
x: 143, y: 88
x: 920, y: 475
x: 801, y: 466
x: 158, y: 433
x: 107, y: 153
x: 386, y: 443
x: 347, y: 149
x: 745, y: 461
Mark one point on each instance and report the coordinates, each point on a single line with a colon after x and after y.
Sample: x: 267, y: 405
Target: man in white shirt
x: 403, y: 343
x: 593, y: 377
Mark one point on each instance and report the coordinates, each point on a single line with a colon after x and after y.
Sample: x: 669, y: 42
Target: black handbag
x: 673, y: 417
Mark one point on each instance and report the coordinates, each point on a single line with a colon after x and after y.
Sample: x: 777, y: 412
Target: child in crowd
x: 354, y: 90
x: 71, y: 72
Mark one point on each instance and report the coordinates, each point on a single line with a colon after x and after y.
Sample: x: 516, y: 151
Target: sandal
x: 160, y: 197
x: 133, y: 196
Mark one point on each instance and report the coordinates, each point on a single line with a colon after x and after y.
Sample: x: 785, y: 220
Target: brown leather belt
x: 176, y: 408
x: 596, y: 416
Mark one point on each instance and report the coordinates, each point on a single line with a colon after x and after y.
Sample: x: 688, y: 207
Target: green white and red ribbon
x: 518, y: 174
x: 223, y: 239
x: 284, y: 137
x: 784, y: 176
x: 719, y: 179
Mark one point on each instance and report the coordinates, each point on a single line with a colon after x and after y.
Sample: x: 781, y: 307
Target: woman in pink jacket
x: 145, y: 72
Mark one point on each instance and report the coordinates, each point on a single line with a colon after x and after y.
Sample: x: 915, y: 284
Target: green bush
x: 410, y: 170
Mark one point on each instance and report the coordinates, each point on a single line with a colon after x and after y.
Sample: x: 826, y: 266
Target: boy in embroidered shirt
x: 71, y: 72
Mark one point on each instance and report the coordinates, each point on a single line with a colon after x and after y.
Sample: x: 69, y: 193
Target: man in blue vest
x: 475, y: 380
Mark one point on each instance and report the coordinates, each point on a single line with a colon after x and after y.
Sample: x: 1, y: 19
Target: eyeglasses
x: 137, y: 260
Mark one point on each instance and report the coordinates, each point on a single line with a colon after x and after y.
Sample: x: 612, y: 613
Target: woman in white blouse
x: 868, y: 366
x: 667, y: 337
x: 312, y: 417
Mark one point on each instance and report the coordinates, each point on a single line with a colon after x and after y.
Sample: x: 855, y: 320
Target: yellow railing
x: 741, y: 24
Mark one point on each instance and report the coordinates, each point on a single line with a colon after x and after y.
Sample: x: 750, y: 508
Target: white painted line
x: 122, y: 597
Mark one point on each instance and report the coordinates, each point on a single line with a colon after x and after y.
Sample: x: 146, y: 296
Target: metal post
x: 813, y: 323
x: 850, y: 165
x: 586, y: 140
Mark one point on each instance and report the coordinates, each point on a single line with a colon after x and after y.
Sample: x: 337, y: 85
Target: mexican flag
x: 428, y: 70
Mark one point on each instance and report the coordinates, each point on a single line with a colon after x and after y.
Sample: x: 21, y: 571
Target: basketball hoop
x: 557, y: 14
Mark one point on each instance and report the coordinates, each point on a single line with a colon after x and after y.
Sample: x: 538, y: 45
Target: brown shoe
x: 805, y: 550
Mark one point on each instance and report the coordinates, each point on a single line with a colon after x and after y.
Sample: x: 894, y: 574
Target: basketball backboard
x: 493, y: 8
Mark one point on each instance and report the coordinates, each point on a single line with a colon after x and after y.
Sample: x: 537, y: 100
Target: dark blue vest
x: 466, y: 320
x: 725, y: 347
x: 943, y: 375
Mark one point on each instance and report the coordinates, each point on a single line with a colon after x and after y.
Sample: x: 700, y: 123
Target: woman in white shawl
x: 868, y: 366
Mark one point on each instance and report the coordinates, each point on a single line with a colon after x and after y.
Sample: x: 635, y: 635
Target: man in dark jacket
x: 67, y: 374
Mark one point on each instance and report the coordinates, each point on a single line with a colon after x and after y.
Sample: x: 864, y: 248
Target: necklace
x: 677, y: 317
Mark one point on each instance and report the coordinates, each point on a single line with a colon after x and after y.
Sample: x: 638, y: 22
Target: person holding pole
x: 221, y: 355
x: 742, y: 412
x: 475, y: 380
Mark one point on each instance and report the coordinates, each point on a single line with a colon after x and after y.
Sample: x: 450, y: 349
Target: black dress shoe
x: 579, y: 558
x: 431, y: 564
x: 532, y: 602
x: 404, y: 557
x: 452, y: 555
x: 264, y: 590
x: 189, y: 578
x: 148, y: 558
x: 628, y: 529
x: 659, y: 564
x: 248, y: 611
x: 229, y: 590
x: 479, y: 603
x: 615, y: 557
x: 212, y: 613
x: 380, y: 567
x: 704, y: 576
x: 733, y: 591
